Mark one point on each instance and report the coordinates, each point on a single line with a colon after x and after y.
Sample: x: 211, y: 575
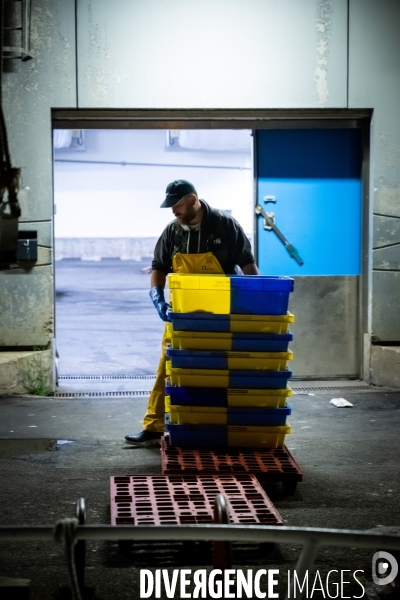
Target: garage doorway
x: 257, y: 121
x: 108, y: 187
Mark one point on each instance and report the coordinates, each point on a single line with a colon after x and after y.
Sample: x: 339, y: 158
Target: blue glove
x: 157, y: 297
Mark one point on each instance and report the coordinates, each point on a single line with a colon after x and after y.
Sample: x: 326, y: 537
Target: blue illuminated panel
x: 315, y: 176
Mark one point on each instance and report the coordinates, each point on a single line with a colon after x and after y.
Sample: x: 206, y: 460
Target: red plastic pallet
x: 179, y: 500
x: 275, y: 464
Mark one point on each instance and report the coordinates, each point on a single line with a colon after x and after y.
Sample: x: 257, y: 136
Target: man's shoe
x: 144, y: 438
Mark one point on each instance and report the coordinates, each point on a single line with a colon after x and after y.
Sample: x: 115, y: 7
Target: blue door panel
x: 315, y: 177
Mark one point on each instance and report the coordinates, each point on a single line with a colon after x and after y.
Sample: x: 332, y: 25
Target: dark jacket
x: 220, y: 234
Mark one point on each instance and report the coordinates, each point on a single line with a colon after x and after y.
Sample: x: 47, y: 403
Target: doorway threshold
x: 117, y: 386
x: 334, y: 386
x: 85, y: 386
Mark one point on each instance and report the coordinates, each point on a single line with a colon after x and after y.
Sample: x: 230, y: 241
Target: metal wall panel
x: 213, y: 53
x: 385, y: 306
x: 30, y: 90
x: 26, y: 307
x: 374, y: 68
x: 387, y: 259
x: 326, y: 309
x: 386, y: 231
x: 387, y: 200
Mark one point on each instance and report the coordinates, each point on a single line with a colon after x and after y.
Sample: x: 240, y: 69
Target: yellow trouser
x: 181, y: 263
x: 154, y: 417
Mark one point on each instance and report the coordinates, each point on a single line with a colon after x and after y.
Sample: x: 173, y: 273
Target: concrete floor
x: 350, y: 458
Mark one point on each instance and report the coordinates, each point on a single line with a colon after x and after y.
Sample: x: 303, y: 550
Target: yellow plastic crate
x: 261, y: 323
x: 278, y: 324
x: 198, y: 415
x: 248, y: 342
x: 220, y: 294
x: 191, y: 293
x: 216, y: 301
x: 198, y: 377
x: 198, y: 282
x: 266, y: 361
x: 254, y: 361
x: 221, y: 378
x: 258, y: 437
x: 200, y: 340
x: 258, y: 398
x: 238, y: 398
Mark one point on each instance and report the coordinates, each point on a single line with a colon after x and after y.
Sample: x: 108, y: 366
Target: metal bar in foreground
x: 230, y: 533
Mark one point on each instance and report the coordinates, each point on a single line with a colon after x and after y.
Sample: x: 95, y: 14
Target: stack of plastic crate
x: 227, y: 370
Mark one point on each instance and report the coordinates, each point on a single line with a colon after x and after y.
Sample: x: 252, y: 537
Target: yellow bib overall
x: 196, y: 264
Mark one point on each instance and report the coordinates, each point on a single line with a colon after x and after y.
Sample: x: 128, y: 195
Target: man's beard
x: 188, y: 217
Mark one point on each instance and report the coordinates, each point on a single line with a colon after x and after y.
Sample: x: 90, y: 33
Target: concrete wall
x: 374, y: 82
x: 214, y: 53
x: 30, y: 90
x: 27, y: 372
x: 385, y: 366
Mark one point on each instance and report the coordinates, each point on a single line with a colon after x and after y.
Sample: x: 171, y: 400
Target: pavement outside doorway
x: 105, y: 321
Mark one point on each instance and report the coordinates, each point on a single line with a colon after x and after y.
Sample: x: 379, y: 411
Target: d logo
x: 386, y: 562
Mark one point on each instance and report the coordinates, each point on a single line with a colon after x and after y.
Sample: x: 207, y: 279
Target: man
x: 200, y: 240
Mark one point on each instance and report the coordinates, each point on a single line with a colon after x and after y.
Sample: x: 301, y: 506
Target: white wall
x: 212, y: 53
x: 103, y: 200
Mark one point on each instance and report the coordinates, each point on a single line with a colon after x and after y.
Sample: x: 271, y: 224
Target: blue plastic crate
x: 203, y: 436
x: 209, y: 359
x: 223, y: 323
x: 260, y: 295
x: 200, y: 322
x: 236, y: 416
x: 236, y: 379
x: 227, y: 397
x: 257, y: 416
x: 273, y: 380
x: 197, y: 436
x: 195, y: 396
x: 236, y: 342
x: 261, y: 342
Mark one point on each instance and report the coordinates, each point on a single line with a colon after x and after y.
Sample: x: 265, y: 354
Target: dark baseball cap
x: 176, y: 190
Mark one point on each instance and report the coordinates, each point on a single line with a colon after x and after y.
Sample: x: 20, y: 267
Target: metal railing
x: 309, y: 537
